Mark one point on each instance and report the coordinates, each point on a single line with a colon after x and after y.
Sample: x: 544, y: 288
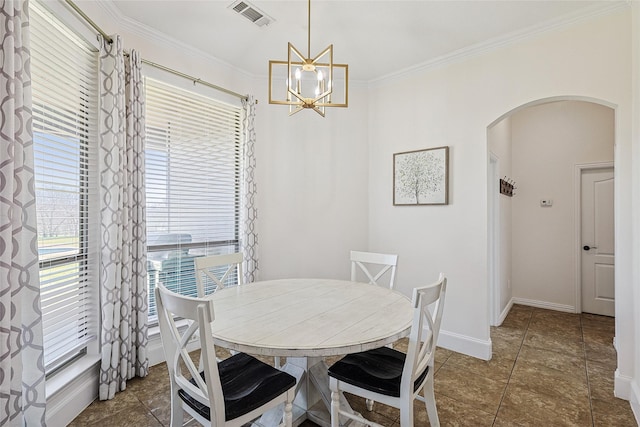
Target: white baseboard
x: 504, y: 313
x: 465, y: 345
x: 635, y: 400
x: 155, y: 352
x: 544, y: 304
x: 75, y: 395
x: 628, y: 388
x: 73, y: 398
x: 622, y: 386
x: 77, y: 391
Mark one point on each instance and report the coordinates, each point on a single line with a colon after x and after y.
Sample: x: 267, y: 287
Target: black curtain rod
x: 153, y: 64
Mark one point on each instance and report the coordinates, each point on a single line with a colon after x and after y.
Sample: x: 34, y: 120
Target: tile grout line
x: 504, y: 393
x: 149, y: 410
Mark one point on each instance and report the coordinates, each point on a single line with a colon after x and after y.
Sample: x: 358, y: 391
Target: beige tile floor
x: 548, y: 369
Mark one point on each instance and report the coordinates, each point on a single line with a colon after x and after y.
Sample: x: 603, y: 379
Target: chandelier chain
x: 309, y: 29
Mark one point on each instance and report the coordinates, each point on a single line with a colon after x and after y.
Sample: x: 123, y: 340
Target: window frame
x: 207, y: 246
x: 86, y: 256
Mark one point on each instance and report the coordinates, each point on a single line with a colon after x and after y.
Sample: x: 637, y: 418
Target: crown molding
x: 602, y: 8
x: 151, y: 34
x: 110, y: 9
x: 587, y: 14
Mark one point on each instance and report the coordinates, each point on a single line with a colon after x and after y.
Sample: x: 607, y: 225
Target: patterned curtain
x: 123, y: 281
x: 249, y: 193
x: 22, y: 392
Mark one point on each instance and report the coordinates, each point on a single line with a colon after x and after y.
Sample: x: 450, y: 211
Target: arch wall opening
x: 534, y: 255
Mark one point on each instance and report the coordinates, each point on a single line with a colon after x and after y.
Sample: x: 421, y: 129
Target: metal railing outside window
x: 193, y: 159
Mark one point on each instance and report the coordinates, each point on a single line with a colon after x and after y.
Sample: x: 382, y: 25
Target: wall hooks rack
x: 507, y: 187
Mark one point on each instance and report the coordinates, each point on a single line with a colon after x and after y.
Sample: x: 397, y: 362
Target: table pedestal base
x: 313, y: 396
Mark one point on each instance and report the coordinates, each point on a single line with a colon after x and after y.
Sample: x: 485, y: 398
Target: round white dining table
x: 306, y: 320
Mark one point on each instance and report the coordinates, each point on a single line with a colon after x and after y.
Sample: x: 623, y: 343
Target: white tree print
x: 420, y: 177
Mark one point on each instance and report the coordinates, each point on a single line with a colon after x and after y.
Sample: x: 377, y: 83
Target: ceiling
x: 376, y: 38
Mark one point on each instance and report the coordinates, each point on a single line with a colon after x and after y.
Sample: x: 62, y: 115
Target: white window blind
x: 193, y: 171
x: 64, y: 89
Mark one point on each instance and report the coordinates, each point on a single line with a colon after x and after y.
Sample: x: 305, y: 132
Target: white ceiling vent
x: 251, y: 12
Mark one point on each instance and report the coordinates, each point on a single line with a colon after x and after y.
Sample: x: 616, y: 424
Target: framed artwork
x: 421, y: 177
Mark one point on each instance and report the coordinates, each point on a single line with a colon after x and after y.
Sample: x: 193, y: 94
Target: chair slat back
x: 367, y: 261
x: 428, y: 304
x: 200, y: 313
x: 206, y: 265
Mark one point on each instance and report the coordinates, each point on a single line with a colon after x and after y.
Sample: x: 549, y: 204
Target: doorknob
x: 587, y: 247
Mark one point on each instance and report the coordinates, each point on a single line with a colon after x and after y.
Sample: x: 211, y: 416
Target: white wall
x: 499, y: 140
x: 634, y: 304
x: 452, y: 105
x: 312, y: 177
x: 549, y: 140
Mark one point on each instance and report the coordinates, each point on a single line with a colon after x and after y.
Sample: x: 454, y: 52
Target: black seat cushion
x: 378, y: 370
x: 247, y: 384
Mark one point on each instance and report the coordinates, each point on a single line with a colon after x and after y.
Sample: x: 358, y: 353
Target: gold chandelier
x: 311, y: 83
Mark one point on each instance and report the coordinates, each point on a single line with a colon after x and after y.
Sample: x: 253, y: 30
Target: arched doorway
x: 534, y: 236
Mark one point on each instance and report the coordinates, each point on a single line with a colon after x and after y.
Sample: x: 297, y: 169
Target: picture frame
x: 421, y: 177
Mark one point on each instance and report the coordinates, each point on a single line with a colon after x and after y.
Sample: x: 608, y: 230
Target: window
x: 64, y: 89
x: 193, y: 174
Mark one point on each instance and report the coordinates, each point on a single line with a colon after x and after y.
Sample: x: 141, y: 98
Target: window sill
x: 60, y: 380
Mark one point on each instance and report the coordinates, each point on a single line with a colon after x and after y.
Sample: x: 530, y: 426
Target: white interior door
x: 597, y: 241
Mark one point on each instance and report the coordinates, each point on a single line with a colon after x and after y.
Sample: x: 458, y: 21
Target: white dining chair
x: 208, y: 269
x: 389, y: 376
x: 217, y: 270
x: 229, y: 393
x: 373, y: 266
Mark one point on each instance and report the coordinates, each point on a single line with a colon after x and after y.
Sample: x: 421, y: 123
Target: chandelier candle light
x: 310, y: 82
